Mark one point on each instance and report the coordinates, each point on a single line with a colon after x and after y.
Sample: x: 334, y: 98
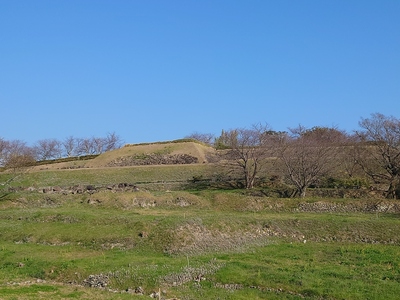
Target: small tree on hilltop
x: 16, y: 154
x: 69, y: 146
x: 112, y: 141
x: 206, y: 138
x: 47, y: 149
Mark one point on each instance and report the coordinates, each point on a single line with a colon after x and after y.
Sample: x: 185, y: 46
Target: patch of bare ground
x: 193, y: 238
x: 371, y: 206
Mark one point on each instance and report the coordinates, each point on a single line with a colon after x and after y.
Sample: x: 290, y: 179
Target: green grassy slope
x: 104, y: 176
x: 203, y: 245
x: 188, y: 244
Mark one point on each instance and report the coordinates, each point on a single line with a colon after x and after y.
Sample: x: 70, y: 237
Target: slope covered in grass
x: 192, y: 245
x: 199, y: 151
x: 188, y: 243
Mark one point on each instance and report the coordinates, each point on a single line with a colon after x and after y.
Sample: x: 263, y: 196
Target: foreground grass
x: 218, y: 247
x: 277, y: 271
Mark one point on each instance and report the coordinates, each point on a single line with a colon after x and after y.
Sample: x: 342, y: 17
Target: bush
x: 346, y: 183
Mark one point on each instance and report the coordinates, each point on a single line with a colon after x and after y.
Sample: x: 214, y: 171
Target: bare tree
x: 16, y: 157
x: 98, y: 145
x: 3, y: 150
x: 112, y: 141
x: 206, y: 138
x: 349, y: 157
x: 69, y: 145
x: 17, y: 154
x: 380, y: 153
x: 85, y: 146
x: 309, y: 154
x: 47, y: 149
x: 250, y: 149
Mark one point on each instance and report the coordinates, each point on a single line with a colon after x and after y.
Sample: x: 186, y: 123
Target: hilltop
x: 158, y: 153
x: 175, y: 152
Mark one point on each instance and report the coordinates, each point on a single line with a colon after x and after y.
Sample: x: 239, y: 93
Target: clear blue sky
x: 156, y: 70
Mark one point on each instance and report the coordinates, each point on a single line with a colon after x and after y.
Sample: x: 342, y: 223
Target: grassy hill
x: 125, y: 243
x: 130, y: 152
x: 107, y: 169
x: 202, y: 153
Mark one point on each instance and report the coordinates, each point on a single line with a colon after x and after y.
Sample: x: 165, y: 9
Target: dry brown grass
x: 201, y: 152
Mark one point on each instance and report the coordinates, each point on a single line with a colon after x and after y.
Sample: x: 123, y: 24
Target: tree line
x: 307, y: 156
x: 16, y: 153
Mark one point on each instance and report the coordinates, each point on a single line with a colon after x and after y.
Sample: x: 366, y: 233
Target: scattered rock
x: 365, y: 207
x: 56, y: 189
x: 137, y: 291
x: 180, y: 201
x: 97, y: 281
x: 143, y: 234
x: 153, y: 159
x: 155, y: 295
x: 94, y: 201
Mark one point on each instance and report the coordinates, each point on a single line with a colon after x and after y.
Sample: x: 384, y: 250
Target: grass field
x: 205, y: 249
x: 184, y: 242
